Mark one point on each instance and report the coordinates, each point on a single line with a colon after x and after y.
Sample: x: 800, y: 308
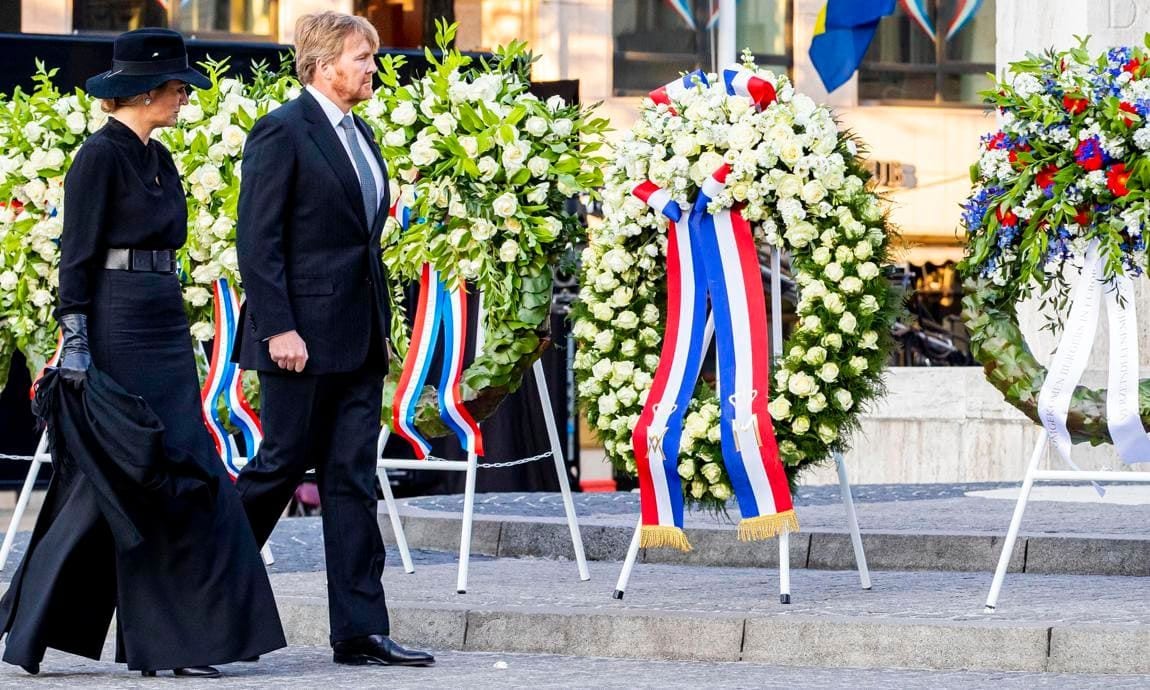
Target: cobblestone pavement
x: 883, y: 508
x: 547, y: 585
x: 311, y: 667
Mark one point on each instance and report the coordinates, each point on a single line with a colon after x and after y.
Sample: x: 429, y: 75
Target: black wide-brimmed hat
x: 142, y: 60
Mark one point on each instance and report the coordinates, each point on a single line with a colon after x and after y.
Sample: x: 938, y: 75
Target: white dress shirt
x: 335, y: 116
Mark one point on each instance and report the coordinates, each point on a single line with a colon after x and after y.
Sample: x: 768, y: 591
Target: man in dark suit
x: 312, y: 204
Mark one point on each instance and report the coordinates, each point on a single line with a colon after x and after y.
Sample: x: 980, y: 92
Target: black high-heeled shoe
x: 189, y: 672
x: 32, y: 668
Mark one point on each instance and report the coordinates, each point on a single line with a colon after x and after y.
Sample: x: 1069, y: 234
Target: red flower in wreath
x: 1074, y: 105
x: 1089, y: 154
x: 1132, y: 66
x: 1045, y: 177
x: 1082, y: 217
x: 1117, y: 177
x: 1006, y: 217
x: 1129, y: 113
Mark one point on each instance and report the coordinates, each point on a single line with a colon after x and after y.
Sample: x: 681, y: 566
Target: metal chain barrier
x: 4, y: 456
x: 498, y: 465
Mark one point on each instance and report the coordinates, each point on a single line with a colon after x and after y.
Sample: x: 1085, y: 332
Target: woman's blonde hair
x: 111, y: 105
x: 319, y: 37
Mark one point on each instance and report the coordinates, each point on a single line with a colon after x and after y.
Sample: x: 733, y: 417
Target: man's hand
x: 288, y: 351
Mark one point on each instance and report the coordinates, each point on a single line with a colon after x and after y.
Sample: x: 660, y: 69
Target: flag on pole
x: 843, y: 32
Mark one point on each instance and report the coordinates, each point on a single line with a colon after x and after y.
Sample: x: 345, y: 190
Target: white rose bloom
x: 815, y: 356
x: 228, y: 259
x: 605, y: 282
x: 742, y: 136
x: 801, y: 233
x: 618, y: 260
x: 790, y: 152
x: 858, y: 364
x: 33, y: 132
x: 423, y: 153
x: 54, y: 159
x: 604, y: 341
x: 834, y: 303
x: 488, y: 168
x: 802, y: 384
x: 444, y: 123
x: 843, y: 399
x: 515, y: 156
x: 482, y: 229
x: 538, y: 166
x: 863, y: 251
x: 41, y: 298
x: 817, y: 403
x: 869, y: 341
x: 814, y: 192
x: 555, y: 103
x: 851, y: 285
x: 848, y: 323
x: 197, y: 296
x: 627, y: 320
x: 76, y: 122
x: 602, y: 311
x: 8, y: 281
x: 827, y: 433
x: 812, y: 323
x: 202, y: 331
x: 801, y: 425
x: 562, y: 127
x: 821, y: 256
x: 868, y: 271
x: 505, y: 205
x: 780, y: 408
x: 404, y: 114
x: 868, y: 304
x: 509, y: 251
x: 536, y: 126
x: 829, y: 372
x: 395, y: 137
x: 834, y: 272
x: 233, y: 137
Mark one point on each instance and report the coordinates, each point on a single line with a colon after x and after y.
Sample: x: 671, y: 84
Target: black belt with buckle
x: 141, y: 260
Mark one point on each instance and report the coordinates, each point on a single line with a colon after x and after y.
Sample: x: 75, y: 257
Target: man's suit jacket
x: 308, y: 259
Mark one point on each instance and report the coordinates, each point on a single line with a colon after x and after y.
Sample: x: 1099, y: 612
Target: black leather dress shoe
x: 378, y: 649
x: 32, y: 668
x: 189, y: 672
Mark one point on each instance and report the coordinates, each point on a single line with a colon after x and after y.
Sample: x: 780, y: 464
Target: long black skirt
x: 195, y: 592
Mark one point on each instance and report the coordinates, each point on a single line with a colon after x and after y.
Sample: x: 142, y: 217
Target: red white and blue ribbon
x: 919, y: 13
x: 726, y: 244
x: 741, y: 81
x: 962, y: 16
x: 437, y: 307
x: 657, y: 433
x: 674, y: 90
x: 224, y: 383
x: 715, y: 257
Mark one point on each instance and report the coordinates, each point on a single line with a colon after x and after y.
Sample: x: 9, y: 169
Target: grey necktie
x: 366, y: 179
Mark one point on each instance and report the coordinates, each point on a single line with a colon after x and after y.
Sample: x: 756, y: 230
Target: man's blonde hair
x: 319, y: 38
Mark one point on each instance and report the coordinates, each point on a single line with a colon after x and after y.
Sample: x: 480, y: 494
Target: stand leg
x: 1015, y: 523
x: 392, y: 508
x: 628, y: 563
x: 468, y: 516
x: 785, y: 568
x: 561, y: 470
x: 38, y: 459
x: 853, y: 522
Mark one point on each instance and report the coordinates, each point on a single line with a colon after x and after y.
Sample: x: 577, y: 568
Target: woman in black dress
x: 193, y: 592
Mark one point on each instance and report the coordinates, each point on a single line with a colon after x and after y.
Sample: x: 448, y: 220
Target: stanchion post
x: 561, y: 470
x: 38, y: 458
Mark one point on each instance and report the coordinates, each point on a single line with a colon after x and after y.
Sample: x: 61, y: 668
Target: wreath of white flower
x: 799, y: 181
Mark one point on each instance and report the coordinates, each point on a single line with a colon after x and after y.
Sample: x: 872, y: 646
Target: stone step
x: 819, y: 548
x: 923, y: 620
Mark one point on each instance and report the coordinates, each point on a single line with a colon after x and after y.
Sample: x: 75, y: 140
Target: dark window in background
x: 10, y: 15
x: 654, y: 43
x: 905, y: 64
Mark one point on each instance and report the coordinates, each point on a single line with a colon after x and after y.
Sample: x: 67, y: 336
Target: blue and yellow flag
x: 843, y: 33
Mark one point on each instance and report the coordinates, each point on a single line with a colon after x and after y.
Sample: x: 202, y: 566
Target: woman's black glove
x: 74, y: 355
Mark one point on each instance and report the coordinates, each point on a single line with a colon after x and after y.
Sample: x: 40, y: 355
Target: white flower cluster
x: 796, y: 178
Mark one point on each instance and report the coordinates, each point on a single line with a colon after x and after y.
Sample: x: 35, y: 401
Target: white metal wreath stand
x: 470, y: 465
x: 1034, y: 474
x: 40, y: 457
x: 784, y: 537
